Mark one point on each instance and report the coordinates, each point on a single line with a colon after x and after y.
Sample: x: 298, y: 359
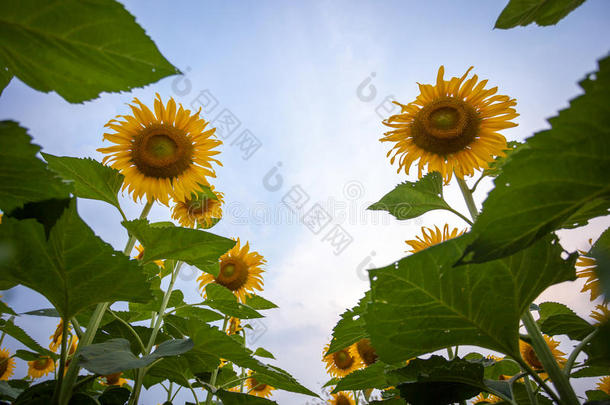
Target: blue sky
x: 290, y: 72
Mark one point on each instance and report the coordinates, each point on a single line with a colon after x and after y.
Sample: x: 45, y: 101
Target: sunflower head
x: 486, y: 399
x: 114, y: 379
x: 203, y: 209
x: 430, y: 237
x: 258, y: 388
x: 140, y: 256
x: 240, y: 272
x: 451, y: 127
x: 586, y: 267
x: 57, y: 336
x: 530, y: 357
x: 7, y: 365
x: 343, y: 398
x: 234, y: 326
x: 366, y: 352
x: 601, y: 314
x: 40, y: 367
x: 341, y: 362
x: 163, y: 154
x: 604, y: 384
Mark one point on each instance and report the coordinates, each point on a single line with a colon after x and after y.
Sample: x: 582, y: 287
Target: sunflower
x: 432, y: 237
x: 114, y: 379
x: 451, y: 127
x: 604, y: 384
x: 588, y: 270
x: 7, y: 365
x: 601, y: 314
x: 162, y: 155
x: 342, y: 398
x: 240, y: 271
x: 528, y: 354
x: 341, y: 362
x: 234, y: 326
x: 199, y: 210
x: 40, y: 367
x: 57, y: 336
x: 366, y: 352
x: 489, y: 399
x: 140, y: 255
x: 257, y: 388
x: 71, y: 351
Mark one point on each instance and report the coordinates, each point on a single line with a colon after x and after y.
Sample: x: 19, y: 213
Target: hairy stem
x: 472, y: 208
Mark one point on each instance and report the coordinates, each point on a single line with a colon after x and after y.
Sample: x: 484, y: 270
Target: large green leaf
x: 195, y: 247
x: 560, y: 171
x: 115, y: 355
x: 600, y: 251
x: 78, y: 48
x: 237, y: 398
x: 73, y: 268
x: 24, y: 177
x: 5, y: 78
x: 423, y: 303
x: 176, y: 369
x: 541, y: 12
x: 90, y: 178
x: 350, y: 327
x: 573, y: 326
x: 410, y: 200
x: 223, y: 300
x: 257, y: 302
x: 373, y: 376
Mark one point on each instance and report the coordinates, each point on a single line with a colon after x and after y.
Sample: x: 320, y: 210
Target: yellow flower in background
x: 586, y: 268
x: 604, y: 384
x: 482, y: 399
x: 342, y: 398
x: 342, y: 362
x: 234, y: 326
x: 432, y: 237
x: 528, y: 354
x: 162, y: 155
x: 257, y: 388
x: 199, y: 210
x: 601, y: 314
x: 114, y: 379
x: 7, y: 365
x: 140, y: 255
x: 40, y: 367
x: 366, y: 352
x: 240, y: 272
x: 451, y: 127
x: 57, y: 336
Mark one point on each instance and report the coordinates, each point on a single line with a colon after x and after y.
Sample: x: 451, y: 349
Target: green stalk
x: 94, y: 323
x: 530, y: 393
x: 472, y: 208
x: 194, y: 394
x: 559, y: 379
x: 130, y: 328
x: 62, y: 360
x: 570, y: 363
x: 137, y: 388
x: 208, y: 400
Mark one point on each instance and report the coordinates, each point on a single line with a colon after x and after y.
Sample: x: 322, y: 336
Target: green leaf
x: 115, y: 355
x: 114, y: 396
x: 541, y: 12
x: 175, y: 369
x: 221, y: 299
x: 560, y: 171
x: 260, y: 352
x: 24, y: 177
x: 600, y: 251
x: 237, y: 398
x: 48, y: 312
x: 37, y: 394
x: 495, y: 167
x: 521, y: 397
x: 410, y: 200
x: 597, y: 395
x: 350, y: 327
x: 27, y: 355
x: 195, y: 247
x: 20, y: 335
x: 200, y: 314
x: 73, y: 268
x: 5, y: 78
x: 548, y: 309
x: 573, y: 326
x: 595, y: 371
x: 372, y: 376
x: 257, y: 302
x: 5, y: 309
x: 90, y: 178
x: 117, y: 329
x: 6, y: 391
x: 423, y: 303
x: 78, y: 49
x: 598, y: 350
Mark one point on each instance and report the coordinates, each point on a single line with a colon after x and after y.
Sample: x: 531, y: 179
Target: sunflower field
x: 415, y: 337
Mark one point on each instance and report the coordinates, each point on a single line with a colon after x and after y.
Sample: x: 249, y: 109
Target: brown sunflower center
x: 342, y: 400
x: 445, y: 126
x: 343, y: 360
x: 162, y: 151
x: 366, y: 351
x: 40, y: 364
x: 197, y: 208
x: 233, y: 274
x: 257, y: 386
x: 112, y: 379
x: 3, y: 365
x: 532, y: 359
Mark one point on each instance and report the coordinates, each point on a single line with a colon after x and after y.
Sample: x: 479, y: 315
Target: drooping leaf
x: 115, y: 355
x: 24, y: 177
x: 541, y: 12
x: 600, y: 251
x: 78, y: 49
x: 90, y: 178
x: 559, y: 172
x: 237, y: 398
x: 14, y: 331
x: 195, y: 247
x: 350, y: 328
x: 73, y: 268
x: 412, y: 199
x: 424, y: 303
x: 221, y: 299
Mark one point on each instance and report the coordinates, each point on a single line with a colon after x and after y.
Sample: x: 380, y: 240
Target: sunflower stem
x: 459, y: 214
x: 193, y: 391
x: 530, y: 393
x: 544, y: 354
x: 93, y: 325
x: 76, y: 326
x: 572, y: 358
x: 472, y: 207
x: 450, y: 353
x: 208, y: 400
x: 129, y: 327
x: 137, y: 388
x: 62, y: 360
